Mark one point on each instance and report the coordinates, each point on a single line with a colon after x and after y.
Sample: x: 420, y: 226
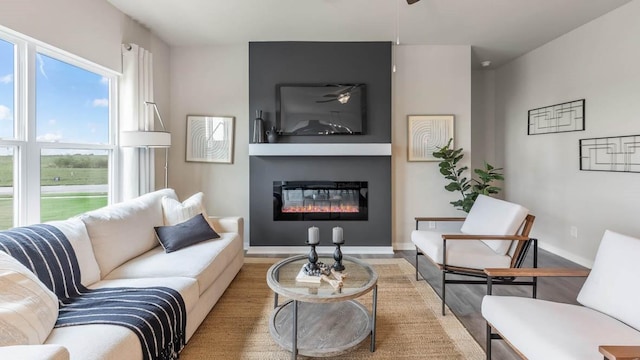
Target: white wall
x: 600, y: 62
x: 428, y: 80
x: 483, y: 119
x: 211, y: 81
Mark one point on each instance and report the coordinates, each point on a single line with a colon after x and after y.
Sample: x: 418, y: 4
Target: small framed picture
x: 426, y: 134
x: 210, y: 138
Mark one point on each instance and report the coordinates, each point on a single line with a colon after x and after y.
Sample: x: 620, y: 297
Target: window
x: 57, y: 143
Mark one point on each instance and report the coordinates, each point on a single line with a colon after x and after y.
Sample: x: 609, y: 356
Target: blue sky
x: 71, y: 103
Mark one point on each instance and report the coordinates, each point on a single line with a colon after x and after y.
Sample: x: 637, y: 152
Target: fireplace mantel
x: 353, y: 149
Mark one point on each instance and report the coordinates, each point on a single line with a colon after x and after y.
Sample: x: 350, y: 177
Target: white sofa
x: 116, y: 246
x: 610, y: 315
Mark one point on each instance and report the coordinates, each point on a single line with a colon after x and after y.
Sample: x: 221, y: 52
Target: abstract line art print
x: 616, y: 153
x: 210, y: 138
x: 563, y: 117
x: 427, y: 133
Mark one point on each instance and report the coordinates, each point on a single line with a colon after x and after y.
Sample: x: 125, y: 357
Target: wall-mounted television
x: 321, y: 109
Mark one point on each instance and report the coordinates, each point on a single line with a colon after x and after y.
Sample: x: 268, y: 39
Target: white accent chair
x: 495, y: 234
x: 608, y: 323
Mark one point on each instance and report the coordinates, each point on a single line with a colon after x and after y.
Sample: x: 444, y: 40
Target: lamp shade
x: 152, y: 139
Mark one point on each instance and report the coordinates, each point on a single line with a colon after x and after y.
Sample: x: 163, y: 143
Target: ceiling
x: 497, y: 30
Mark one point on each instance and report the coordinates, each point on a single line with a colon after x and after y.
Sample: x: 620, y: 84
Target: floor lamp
x: 150, y: 139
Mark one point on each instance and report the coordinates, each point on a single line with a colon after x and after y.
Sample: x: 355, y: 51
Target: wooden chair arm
x: 483, y: 237
x: 536, y: 272
x: 419, y: 219
x: 617, y: 352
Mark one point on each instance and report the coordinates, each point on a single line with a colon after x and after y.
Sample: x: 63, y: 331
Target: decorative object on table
x: 272, y: 135
x: 210, y: 138
x: 427, y: 134
x: 614, y: 153
x: 338, y: 240
x: 313, y: 240
x: 258, y: 128
x: 469, y: 188
x: 565, y: 117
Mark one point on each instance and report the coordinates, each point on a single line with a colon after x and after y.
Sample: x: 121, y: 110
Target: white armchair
x: 608, y: 323
x: 495, y: 234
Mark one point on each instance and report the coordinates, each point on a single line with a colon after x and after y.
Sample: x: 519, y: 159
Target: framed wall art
x: 557, y: 118
x: 426, y: 134
x: 210, y: 138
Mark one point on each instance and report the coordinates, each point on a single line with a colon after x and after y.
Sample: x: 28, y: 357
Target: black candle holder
x: 337, y: 256
x: 313, y: 258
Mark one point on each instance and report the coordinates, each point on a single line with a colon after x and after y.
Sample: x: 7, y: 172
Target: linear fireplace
x: 320, y: 200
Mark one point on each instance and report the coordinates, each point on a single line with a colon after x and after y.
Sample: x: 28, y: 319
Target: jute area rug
x: 409, y: 325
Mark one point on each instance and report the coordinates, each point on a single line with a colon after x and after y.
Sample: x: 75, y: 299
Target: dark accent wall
x: 376, y: 231
x: 272, y: 63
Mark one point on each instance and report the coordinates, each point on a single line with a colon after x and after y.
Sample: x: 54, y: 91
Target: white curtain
x: 136, y: 87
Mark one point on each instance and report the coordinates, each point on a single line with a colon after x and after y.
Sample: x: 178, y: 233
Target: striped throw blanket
x: 157, y: 315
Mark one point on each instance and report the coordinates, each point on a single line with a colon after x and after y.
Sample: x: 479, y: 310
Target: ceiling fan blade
x: 412, y: 1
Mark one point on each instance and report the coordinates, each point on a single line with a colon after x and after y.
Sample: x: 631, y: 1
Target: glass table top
x: 360, y: 279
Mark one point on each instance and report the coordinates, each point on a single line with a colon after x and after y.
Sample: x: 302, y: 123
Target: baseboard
x: 358, y: 250
x: 404, y: 246
x: 567, y: 255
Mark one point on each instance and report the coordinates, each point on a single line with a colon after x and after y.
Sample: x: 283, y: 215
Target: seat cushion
x: 490, y: 216
x: 122, y: 231
x: 187, y: 287
x: 203, y: 261
x: 465, y: 253
x: 542, y: 329
x: 97, y: 342
x: 612, y: 285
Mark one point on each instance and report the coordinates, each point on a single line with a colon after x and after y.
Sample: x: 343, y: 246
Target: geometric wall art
x: 616, y: 153
x: 210, y: 139
x: 563, y: 117
x: 426, y: 134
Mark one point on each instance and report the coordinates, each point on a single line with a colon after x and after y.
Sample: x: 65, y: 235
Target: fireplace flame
x: 321, y: 209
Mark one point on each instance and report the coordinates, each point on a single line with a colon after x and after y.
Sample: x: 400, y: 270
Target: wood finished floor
x: 464, y: 300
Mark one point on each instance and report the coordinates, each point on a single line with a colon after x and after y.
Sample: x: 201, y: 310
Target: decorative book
x: 303, y: 277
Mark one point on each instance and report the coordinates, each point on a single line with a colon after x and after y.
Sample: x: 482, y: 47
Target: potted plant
x: 469, y: 188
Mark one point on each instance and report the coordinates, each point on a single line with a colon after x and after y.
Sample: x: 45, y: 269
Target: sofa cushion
x: 187, y: 233
x: 612, y: 284
x: 97, y: 342
x: 204, y: 261
x: 122, y: 231
x: 489, y: 216
x: 542, y: 329
x: 76, y: 233
x: 33, y: 352
x: 187, y: 287
x: 28, y: 309
x: 468, y: 253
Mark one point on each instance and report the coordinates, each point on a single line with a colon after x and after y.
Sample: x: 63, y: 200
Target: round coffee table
x: 318, y: 320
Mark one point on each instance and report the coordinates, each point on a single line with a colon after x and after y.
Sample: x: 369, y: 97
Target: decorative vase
x: 258, y: 128
x: 272, y: 135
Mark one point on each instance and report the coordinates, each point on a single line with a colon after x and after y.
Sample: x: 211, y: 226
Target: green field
x: 63, y: 170
x: 59, y: 170
x: 55, y: 206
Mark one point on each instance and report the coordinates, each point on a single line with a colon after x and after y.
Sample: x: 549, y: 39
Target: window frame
x: 27, y: 150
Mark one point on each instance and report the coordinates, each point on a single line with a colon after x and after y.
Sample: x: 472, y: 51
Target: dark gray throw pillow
x: 185, y: 234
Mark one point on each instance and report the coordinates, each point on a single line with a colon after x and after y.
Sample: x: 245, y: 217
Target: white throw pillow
x: 176, y: 212
x: 28, y: 309
x: 611, y: 287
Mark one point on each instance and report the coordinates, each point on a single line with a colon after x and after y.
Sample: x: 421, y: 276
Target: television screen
x: 321, y: 109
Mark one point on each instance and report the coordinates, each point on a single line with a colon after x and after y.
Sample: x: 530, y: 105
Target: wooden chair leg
x: 416, y: 263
